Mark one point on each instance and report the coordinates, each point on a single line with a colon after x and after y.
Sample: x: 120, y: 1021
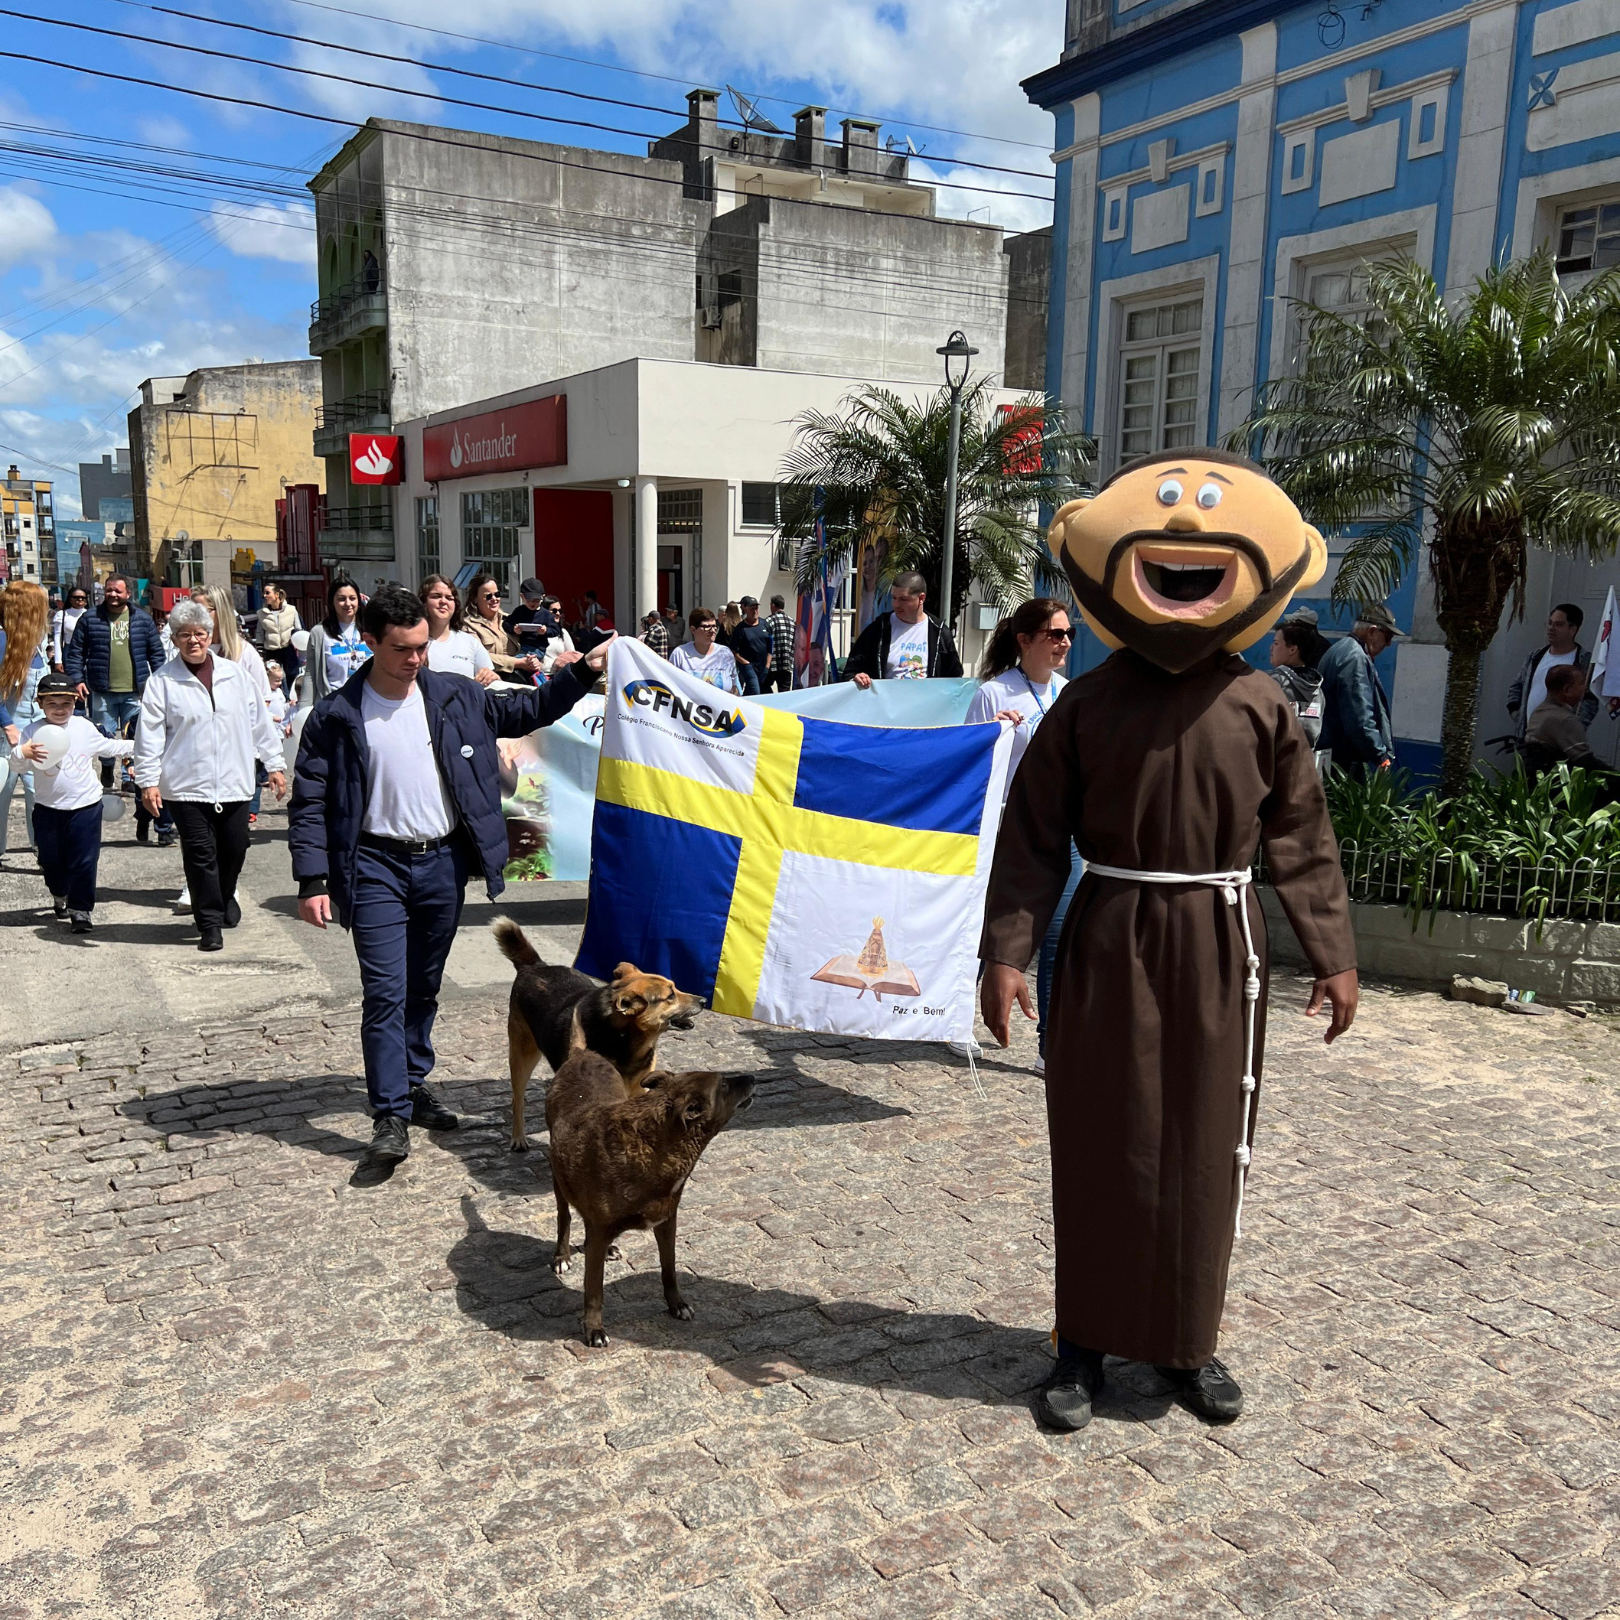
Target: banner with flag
x: 1605, y: 675
x: 794, y: 870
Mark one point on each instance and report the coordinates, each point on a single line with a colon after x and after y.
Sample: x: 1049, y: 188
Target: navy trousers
x: 69, y: 847
x: 403, y: 915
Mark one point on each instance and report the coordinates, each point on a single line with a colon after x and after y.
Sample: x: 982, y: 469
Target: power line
x: 435, y: 96
x: 422, y: 134
x: 494, y: 78
x: 644, y: 73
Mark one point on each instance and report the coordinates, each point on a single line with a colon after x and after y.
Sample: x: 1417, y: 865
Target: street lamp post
x: 958, y: 355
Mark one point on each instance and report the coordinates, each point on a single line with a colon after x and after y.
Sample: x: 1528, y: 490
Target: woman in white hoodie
x: 203, y: 723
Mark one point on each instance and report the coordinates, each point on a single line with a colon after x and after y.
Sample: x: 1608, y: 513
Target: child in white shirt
x: 67, y: 800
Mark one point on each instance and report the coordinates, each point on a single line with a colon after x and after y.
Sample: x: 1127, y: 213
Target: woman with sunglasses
x: 65, y: 620
x: 485, y: 622
x: 1020, y: 684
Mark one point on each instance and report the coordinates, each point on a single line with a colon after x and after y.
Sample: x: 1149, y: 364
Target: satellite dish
x: 750, y: 114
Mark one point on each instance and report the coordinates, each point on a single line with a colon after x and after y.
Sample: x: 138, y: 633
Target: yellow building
x: 210, y: 454
x: 29, y: 522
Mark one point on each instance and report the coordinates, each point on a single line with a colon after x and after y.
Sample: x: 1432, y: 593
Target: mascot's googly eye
x: 1209, y: 496
x: 1169, y: 492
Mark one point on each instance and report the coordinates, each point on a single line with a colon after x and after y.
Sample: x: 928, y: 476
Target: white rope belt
x: 1233, y: 885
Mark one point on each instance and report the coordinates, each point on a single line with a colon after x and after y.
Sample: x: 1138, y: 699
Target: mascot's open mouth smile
x: 1185, y: 581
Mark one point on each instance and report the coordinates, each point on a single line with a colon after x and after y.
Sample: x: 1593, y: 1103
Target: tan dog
x: 623, y: 1161
x: 555, y: 1011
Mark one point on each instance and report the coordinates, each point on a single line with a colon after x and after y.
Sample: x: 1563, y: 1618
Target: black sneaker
x: 59, y: 906
x: 428, y: 1112
x: 1210, y: 1391
x: 167, y: 840
x: 1065, y: 1398
x: 390, y: 1142
x: 233, y: 912
x: 81, y: 922
x: 212, y: 940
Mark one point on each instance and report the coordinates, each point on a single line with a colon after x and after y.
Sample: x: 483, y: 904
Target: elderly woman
x: 203, y: 723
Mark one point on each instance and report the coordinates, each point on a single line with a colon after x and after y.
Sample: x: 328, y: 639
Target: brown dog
x: 623, y: 1161
x: 555, y: 1011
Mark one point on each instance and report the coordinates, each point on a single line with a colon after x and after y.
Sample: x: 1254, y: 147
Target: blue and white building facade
x: 1219, y: 159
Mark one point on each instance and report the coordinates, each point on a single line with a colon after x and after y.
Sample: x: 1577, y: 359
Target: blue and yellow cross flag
x: 803, y: 872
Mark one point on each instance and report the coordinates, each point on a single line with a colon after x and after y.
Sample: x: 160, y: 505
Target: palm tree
x: 1467, y: 433
x: 877, y: 469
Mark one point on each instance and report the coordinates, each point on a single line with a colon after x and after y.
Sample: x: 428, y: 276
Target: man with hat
x: 1356, y: 725
x: 532, y: 625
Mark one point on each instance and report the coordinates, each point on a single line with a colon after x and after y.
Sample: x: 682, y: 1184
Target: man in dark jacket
x: 108, y: 657
x: 903, y: 645
x: 1529, y: 691
x: 1356, y: 723
x: 396, y: 801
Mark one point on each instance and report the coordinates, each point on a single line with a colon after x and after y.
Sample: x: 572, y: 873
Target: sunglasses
x: 1058, y: 635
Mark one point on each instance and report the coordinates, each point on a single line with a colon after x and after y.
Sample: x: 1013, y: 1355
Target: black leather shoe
x: 428, y: 1112
x: 1210, y: 1391
x: 81, y: 922
x: 167, y: 840
x: 212, y: 940
x: 390, y: 1142
x: 233, y: 913
x: 1065, y: 1398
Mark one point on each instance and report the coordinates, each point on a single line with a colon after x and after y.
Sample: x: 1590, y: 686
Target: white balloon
x: 54, y: 740
x: 300, y: 641
x: 112, y: 807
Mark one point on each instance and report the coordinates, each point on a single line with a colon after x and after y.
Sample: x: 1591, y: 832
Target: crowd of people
x: 197, y: 710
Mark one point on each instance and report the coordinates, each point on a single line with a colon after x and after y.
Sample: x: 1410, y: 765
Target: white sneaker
x: 1039, y: 1065
x: 970, y: 1049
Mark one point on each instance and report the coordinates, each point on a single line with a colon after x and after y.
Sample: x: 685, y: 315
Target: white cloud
x: 264, y: 231
x: 158, y: 129
x: 27, y: 230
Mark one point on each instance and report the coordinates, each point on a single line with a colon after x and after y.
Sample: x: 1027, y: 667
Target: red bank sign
x: 375, y: 458
x: 529, y: 435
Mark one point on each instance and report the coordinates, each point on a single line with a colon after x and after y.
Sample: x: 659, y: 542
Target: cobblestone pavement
x: 232, y: 1385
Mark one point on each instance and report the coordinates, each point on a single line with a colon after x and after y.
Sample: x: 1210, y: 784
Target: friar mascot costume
x: 1165, y: 765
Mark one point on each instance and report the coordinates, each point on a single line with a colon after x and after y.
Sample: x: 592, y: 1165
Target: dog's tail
x: 514, y: 943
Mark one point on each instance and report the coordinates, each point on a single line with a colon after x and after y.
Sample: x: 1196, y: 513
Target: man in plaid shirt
x: 655, y: 635
x: 781, y: 665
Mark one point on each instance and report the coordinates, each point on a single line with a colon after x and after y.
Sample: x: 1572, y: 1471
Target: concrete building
x: 645, y: 481
x: 112, y: 549
x: 209, y: 456
x: 104, y: 479
x: 1218, y: 159
x: 28, y: 522
x: 457, y: 266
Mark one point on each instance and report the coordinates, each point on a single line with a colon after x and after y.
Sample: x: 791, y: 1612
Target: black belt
x: 404, y: 846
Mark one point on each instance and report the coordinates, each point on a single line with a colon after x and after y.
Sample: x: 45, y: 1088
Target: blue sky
x: 110, y: 273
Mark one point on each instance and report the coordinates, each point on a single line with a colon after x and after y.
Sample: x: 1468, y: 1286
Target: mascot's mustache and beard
x: 1186, y: 554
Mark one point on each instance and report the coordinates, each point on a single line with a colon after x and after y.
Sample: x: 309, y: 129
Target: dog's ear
x: 629, y: 1002
x: 625, y: 970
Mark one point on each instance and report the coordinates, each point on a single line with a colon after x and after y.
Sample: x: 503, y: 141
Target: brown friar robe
x: 1144, y: 1049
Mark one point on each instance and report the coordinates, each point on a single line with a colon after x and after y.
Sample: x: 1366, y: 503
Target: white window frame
x: 1410, y: 232
x: 1573, y: 279
x: 1197, y: 278
x: 1543, y: 197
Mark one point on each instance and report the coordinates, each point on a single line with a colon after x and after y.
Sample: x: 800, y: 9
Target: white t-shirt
x: 458, y: 653
x: 405, y: 796
x: 719, y: 668
x: 1538, y: 682
x: 1014, y: 690
x: 345, y: 653
x: 908, y: 649
x: 74, y: 783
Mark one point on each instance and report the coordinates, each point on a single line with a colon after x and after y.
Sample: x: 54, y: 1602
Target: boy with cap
x: 67, y: 800
x: 532, y: 625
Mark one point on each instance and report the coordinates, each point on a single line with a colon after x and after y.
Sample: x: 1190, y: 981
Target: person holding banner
x: 396, y: 801
x: 706, y: 658
x: 906, y: 644
x: 1021, y: 683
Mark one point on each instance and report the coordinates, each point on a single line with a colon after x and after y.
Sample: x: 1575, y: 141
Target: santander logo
x: 373, y: 461
x: 455, y: 451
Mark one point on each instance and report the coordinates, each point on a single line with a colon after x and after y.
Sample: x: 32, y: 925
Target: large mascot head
x: 1185, y: 554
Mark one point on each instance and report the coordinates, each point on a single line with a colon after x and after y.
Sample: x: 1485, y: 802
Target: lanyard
x: 1036, y: 695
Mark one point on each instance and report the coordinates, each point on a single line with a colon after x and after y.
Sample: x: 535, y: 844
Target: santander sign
x: 533, y: 434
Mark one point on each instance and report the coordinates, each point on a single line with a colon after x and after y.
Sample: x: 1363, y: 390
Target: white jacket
x: 198, y: 747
